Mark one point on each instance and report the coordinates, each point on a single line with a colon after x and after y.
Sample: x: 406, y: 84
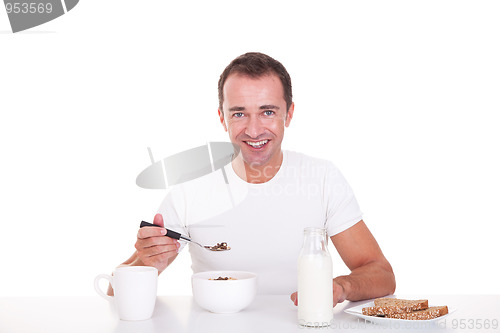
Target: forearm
x: 152, y: 248
x: 372, y: 280
x: 135, y: 260
x: 132, y: 261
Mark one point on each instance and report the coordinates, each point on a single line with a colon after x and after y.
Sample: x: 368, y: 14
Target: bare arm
x: 152, y: 249
x: 371, y: 274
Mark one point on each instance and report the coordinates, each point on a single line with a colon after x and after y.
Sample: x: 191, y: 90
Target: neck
x: 257, y: 174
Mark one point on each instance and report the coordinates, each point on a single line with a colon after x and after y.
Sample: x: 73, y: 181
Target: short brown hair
x: 254, y: 65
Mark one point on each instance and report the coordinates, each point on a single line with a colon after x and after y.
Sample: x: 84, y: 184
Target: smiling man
x: 254, y: 113
x: 268, y: 198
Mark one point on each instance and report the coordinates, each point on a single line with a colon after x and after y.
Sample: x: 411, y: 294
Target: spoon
x: 178, y: 236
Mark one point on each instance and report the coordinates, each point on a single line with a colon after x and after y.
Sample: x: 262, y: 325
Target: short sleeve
x: 342, y: 209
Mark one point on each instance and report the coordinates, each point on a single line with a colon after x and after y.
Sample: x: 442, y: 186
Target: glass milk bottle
x: 315, y: 280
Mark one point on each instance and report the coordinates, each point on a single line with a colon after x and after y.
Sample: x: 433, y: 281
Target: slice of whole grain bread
x: 429, y: 313
x: 403, y: 304
x: 382, y: 311
x: 388, y: 306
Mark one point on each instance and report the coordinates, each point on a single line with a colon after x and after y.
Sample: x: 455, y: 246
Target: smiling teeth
x: 257, y: 144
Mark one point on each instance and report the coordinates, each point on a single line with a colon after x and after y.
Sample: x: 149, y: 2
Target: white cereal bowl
x: 224, y: 296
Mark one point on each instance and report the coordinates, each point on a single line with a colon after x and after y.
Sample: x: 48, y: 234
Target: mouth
x: 257, y: 145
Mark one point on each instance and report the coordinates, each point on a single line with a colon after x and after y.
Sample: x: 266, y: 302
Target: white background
x: 401, y: 95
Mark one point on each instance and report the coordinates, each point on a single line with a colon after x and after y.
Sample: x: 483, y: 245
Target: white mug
x: 134, y: 289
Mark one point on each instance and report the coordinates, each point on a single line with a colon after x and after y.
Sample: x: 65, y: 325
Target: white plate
x: 357, y: 311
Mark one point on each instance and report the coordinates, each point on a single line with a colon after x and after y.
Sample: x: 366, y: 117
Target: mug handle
x: 96, y: 285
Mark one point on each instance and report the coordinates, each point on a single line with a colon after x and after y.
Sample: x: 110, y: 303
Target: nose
x: 254, y: 127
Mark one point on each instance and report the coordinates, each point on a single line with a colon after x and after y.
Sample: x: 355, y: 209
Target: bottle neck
x: 314, y: 241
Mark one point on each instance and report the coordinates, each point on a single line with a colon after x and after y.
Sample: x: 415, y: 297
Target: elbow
x: 391, y: 280
x: 387, y: 280
x: 392, y: 287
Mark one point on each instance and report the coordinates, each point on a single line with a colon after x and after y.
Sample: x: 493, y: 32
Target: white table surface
x: 181, y: 314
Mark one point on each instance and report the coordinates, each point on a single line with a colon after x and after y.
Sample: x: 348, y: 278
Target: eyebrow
x: 270, y: 106
x: 236, y: 109
x: 262, y: 107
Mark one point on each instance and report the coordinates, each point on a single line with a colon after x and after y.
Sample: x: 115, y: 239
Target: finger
x: 159, y: 249
x: 158, y: 220
x: 147, y: 232
x: 294, y: 298
x: 160, y: 261
x: 339, y: 291
x: 155, y: 241
x: 335, y: 300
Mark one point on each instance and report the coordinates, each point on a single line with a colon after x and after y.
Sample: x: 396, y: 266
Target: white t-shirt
x: 262, y: 223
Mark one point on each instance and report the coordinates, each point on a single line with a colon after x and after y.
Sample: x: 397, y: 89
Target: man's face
x: 254, y: 115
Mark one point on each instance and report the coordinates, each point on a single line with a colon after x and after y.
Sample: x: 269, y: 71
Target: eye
x: 269, y: 113
x: 238, y: 114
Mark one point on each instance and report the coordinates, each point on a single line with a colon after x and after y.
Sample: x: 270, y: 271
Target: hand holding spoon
x: 178, y: 236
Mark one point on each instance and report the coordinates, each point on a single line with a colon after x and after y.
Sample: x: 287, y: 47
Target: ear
x: 289, y: 115
x: 221, y: 117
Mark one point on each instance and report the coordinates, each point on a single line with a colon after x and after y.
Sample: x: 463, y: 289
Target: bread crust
x: 389, y: 306
x: 429, y: 313
x: 409, y: 305
x: 404, y: 309
x: 382, y: 311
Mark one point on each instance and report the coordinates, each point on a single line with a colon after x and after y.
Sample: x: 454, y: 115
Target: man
x: 268, y: 198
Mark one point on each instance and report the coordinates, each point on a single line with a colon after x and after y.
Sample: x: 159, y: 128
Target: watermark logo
x: 187, y: 165
x: 26, y: 14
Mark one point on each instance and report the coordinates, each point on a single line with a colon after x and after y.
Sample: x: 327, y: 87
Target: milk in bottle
x: 315, y: 288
